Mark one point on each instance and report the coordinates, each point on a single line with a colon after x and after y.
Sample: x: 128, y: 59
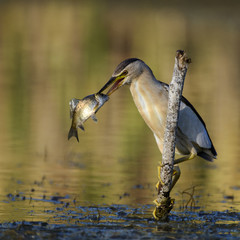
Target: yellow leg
x: 176, y: 175
x: 163, y: 207
x: 185, y: 158
x: 159, y: 183
x: 156, y: 203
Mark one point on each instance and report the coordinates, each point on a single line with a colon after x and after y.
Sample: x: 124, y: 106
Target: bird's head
x: 125, y: 73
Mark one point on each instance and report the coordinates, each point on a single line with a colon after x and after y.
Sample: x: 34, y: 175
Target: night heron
x: 151, y: 99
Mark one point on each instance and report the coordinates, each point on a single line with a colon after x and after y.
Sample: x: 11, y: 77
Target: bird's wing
x: 192, y: 125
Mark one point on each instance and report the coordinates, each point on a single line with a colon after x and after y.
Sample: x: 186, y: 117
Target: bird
x: 151, y: 99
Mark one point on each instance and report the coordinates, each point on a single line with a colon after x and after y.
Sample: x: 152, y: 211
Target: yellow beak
x: 117, y: 83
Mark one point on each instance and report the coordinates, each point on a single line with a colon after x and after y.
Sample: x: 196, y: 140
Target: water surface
x: 50, y: 53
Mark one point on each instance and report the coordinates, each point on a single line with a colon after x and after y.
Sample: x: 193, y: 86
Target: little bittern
x: 151, y: 99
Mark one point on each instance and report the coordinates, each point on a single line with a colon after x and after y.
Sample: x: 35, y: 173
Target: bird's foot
x: 163, y: 208
x: 176, y: 174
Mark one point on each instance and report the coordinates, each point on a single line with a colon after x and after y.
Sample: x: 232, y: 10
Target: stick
x: 164, y: 202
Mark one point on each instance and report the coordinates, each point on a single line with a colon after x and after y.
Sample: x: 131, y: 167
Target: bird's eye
x: 125, y: 72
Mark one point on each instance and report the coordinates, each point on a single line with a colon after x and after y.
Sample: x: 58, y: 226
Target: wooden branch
x: 164, y: 202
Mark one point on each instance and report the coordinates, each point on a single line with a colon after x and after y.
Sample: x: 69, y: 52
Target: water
x: 51, y: 53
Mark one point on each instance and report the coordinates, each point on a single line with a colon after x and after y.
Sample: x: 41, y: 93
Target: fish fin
x: 94, y: 118
x: 72, y: 104
x: 73, y: 132
x: 81, y: 126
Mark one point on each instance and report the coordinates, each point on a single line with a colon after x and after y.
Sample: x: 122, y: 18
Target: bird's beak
x: 117, y: 83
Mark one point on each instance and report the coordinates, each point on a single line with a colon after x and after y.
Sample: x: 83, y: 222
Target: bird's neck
x: 147, y: 93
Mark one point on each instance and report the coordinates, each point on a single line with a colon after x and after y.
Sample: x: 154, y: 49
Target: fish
x: 82, y: 109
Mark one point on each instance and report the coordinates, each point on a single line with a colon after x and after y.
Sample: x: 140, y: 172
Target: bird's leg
x: 176, y: 174
x: 166, y: 203
x: 159, y: 186
x: 159, y: 183
x: 192, y: 155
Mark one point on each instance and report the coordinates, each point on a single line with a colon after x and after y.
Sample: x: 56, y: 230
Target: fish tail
x: 73, y: 132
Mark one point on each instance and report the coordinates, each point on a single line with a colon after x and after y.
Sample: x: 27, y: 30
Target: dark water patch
x: 124, y: 222
x: 138, y: 186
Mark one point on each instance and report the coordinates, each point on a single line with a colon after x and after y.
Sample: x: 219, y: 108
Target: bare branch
x: 164, y: 202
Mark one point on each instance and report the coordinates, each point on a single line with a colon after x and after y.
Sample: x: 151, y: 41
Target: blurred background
x: 52, y: 51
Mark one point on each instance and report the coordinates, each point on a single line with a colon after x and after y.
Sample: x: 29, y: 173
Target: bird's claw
x: 162, y: 209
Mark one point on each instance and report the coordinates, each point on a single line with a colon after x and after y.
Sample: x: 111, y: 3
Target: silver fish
x: 82, y: 109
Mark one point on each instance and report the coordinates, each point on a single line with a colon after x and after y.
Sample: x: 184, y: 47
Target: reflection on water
x: 52, y: 52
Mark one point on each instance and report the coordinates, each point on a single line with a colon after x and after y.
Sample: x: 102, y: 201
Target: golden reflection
x: 53, y: 52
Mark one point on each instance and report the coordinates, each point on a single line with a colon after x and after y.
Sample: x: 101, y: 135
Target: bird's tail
x: 208, y: 154
x: 73, y: 132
